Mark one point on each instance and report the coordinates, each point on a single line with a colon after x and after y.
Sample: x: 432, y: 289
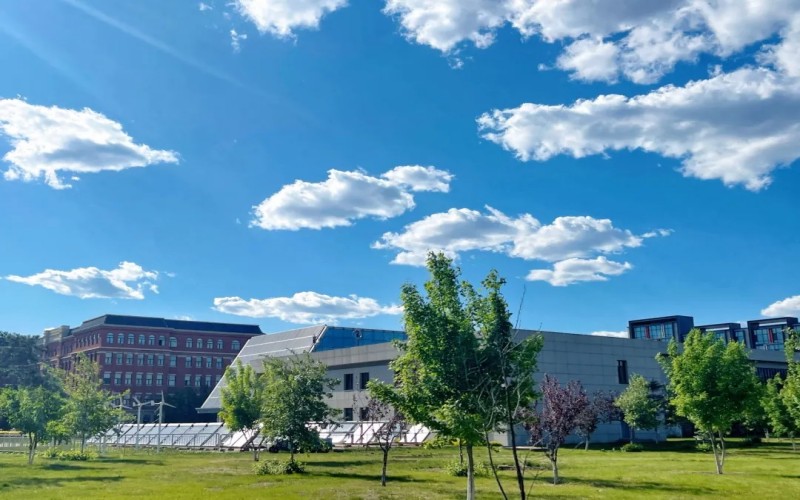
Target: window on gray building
x: 348, y: 382
x: 363, y: 380
x: 622, y: 371
x: 347, y: 414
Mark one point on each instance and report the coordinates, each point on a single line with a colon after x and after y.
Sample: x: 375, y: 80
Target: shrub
x: 457, y: 469
x: 632, y: 447
x: 278, y: 467
x: 702, y: 446
x: 436, y: 443
x: 70, y: 455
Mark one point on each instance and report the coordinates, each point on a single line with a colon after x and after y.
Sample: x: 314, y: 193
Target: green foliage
x: 779, y: 419
x: 713, y: 385
x: 640, y: 410
x: 457, y: 468
x: 19, y: 360
x: 461, y: 372
x: 89, y: 409
x: 632, y: 447
x: 278, y: 467
x: 702, y: 446
x: 32, y: 411
x: 294, y: 392
x: 241, y: 400
x: 790, y: 392
x: 68, y: 455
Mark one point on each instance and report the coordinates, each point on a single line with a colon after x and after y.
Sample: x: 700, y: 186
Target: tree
x: 31, y: 410
x: 241, y: 401
x: 556, y: 417
x: 639, y: 409
x: 19, y: 360
x: 779, y: 419
x: 506, y: 365
x: 394, y: 425
x: 89, y: 409
x: 438, y: 370
x: 713, y: 385
x: 601, y: 409
x: 294, y: 392
x: 790, y: 390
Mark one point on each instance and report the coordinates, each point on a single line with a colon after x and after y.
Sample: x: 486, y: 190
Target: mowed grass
x: 672, y: 470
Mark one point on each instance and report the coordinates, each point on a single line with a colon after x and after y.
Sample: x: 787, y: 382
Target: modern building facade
x: 356, y: 355
x: 146, y: 356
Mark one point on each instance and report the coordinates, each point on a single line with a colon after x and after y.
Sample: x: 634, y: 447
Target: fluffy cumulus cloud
x: 128, y: 281
x: 48, y: 141
x: 605, y: 333
x: 282, y: 17
x: 305, y: 307
x: 640, y: 40
x: 567, y: 241
x: 571, y: 271
x: 736, y: 127
x: 347, y: 196
x: 787, y: 307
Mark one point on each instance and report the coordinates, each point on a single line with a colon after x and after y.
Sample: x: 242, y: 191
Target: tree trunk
x: 715, y: 447
x: 83, y: 442
x: 554, y: 463
x: 517, y: 468
x: 793, y: 445
x: 587, y: 444
x: 385, y: 462
x: 494, y: 469
x: 31, y: 448
x: 470, y: 473
x: 460, y: 452
x: 632, y: 433
x: 722, y: 451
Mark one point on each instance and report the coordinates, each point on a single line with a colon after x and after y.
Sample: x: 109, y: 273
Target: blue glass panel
x: 343, y: 337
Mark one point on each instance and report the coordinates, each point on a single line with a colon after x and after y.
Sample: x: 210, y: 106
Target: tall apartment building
x: 149, y: 355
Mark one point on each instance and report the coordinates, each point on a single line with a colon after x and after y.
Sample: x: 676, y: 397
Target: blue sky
x: 285, y: 163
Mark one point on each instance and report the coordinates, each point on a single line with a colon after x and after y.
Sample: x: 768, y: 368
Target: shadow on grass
x: 63, y: 466
x: 53, y: 481
x: 368, y: 477
x: 643, y: 486
x: 342, y: 463
x: 132, y: 461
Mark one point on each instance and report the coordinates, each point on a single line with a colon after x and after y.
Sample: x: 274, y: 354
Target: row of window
x: 173, y: 341
x: 157, y: 379
x: 348, y: 381
x: 117, y: 358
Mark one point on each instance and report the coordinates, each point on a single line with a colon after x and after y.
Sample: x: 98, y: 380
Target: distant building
x: 149, y: 355
x: 354, y: 356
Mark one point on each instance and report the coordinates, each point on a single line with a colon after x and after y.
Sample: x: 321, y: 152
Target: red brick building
x: 149, y: 355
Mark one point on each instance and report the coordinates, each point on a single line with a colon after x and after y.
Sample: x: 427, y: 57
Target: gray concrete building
x: 355, y: 355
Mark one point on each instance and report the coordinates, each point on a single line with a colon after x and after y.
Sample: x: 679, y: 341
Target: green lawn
x: 767, y: 471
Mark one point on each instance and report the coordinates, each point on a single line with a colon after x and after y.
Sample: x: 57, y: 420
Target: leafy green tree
x: 713, y: 385
x: 32, y: 411
x: 241, y: 401
x: 19, y: 360
x: 459, y: 369
x: 294, y: 392
x: 639, y: 409
x: 506, y: 364
x: 790, y: 391
x: 779, y: 419
x: 394, y: 425
x: 89, y: 409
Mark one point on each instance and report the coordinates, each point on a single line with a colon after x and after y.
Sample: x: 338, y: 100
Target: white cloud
x: 641, y: 39
x: 236, y: 40
x: 571, y: 271
x: 590, y: 59
x: 786, y: 307
x: 305, y: 307
x: 48, y: 141
x: 128, y: 281
x: 444, y: 24
x: 566, y: 241
x: 347, y: 196
x: 282, y: 17
x: 736, y: 127
x: 204, y: 7
x: 604, y: 333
